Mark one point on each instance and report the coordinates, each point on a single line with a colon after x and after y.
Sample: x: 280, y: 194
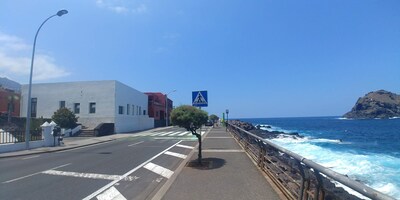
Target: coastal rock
x: 379, y: 104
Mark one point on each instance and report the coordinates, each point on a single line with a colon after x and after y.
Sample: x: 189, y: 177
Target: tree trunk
x: 199, y: 156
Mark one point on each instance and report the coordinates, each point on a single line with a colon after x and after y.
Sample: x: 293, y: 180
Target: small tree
x: 191, y: 118
x: 65, y: 118
x: 214, y: 118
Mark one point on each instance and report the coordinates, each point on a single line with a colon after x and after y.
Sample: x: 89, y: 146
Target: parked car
x: 209, y: 123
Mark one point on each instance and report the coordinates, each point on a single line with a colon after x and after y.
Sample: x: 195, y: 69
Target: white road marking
x: 90, y: 175
x: 164, y: 134
x: 224, y: 150
x: 178, y: 155
x: 135, y: 143
x: 34, y: 174
x: 219, y: 137
x: 185, y: 146
x: 30, y: 157
x: 127, y: 173
x: 184, y: 133
x: 159, y: 170
x: 111, y: 194
x: 172, y: 134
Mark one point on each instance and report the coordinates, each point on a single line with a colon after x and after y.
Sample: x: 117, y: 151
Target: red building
x: 157, y: 108
x: 9, y: 101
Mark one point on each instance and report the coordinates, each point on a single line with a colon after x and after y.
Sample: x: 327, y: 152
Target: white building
x: 94, y: 102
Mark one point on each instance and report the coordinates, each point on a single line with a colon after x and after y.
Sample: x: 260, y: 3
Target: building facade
x: 93, y: 102
x: 10, y: 102
x: 157, y: 108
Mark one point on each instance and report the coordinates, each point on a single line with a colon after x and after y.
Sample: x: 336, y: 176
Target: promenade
x: 228, y: 173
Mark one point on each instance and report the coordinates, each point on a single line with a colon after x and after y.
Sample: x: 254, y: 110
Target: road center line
x: 135, y: 143
x: 30, y: 157
x: 34, y: 174
x: 127, y: 173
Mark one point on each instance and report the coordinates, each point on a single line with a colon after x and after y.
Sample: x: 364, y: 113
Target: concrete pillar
x: 47, y: 134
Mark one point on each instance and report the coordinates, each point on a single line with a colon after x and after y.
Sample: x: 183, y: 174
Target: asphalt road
x: 128, y: 168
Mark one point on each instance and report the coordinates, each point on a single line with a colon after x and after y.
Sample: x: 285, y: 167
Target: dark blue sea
x: 365, y: 150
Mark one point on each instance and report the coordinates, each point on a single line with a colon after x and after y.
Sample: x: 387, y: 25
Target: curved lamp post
x: 28, y: 115
x: 166, y: 107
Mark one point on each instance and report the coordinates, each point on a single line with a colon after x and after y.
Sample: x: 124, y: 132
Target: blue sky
x: 256, y: 58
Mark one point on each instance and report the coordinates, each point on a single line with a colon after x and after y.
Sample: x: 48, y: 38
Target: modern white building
x: 94, y: 102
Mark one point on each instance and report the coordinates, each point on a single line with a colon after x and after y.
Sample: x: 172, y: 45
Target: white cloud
x: 15, y: 61
x: 122, y: 6
x: 142, y: 8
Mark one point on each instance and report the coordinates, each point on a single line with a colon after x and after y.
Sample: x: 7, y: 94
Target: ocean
x: 365, y: 150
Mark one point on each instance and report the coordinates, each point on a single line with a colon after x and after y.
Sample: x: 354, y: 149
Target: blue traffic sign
x: 199, y: 99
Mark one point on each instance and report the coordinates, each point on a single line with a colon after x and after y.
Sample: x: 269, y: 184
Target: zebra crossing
x: 171, y: 133
x: 174, y: 134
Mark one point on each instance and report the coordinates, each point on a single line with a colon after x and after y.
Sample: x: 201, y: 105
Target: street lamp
x: 166, y: 107
x: 227, y: 118
x: 28, y: 115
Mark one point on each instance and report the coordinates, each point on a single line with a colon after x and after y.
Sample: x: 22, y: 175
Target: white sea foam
x: 379, y: 171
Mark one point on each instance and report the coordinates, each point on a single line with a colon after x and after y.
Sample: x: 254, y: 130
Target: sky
x: 270, y: 58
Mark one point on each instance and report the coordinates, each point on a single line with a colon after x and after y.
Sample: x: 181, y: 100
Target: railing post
x: 303, y: 177
x: 319, y: 185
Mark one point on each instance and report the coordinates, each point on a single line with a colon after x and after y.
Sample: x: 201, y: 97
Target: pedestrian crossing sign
x: 199, y: 99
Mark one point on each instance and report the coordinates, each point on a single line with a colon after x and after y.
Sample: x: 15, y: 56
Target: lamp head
x: 62, y: 12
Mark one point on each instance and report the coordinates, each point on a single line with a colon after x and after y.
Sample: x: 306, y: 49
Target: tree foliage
x: 214, y: 118
x: 188, y: 117
x: 191, y: 118
x: 65, y: 118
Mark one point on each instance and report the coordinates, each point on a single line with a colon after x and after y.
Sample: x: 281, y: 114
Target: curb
x: 55, y: 150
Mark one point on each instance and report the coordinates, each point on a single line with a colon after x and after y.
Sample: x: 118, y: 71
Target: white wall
x: 49, y: 96
x: 108, y: 96
x: 133, y: 121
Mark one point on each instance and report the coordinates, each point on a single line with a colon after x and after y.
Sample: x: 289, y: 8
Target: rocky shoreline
x: 285, y: 163
x: 257, y: 130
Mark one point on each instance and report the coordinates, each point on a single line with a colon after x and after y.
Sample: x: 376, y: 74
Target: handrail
x: 357, y: 186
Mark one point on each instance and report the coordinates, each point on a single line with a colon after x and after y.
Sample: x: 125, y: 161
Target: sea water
x: 365, y: 150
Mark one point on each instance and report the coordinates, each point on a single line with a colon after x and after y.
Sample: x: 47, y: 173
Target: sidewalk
x: 230, y: 174
x: 72, y: 143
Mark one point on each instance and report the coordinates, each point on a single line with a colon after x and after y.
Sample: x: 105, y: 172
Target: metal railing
x: 298, y: 177
x: 7, y: 137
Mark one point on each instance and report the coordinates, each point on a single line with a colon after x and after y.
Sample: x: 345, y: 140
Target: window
x: 133, y: 109
x: 128, y: 109
x: 140, y: 110
x: 157, y: 114
x: 144, y: 112
x: 92, y: 107
x: 120, y: 110
x: 77, y: 108
x: 137, y: 110
x: 62, y: 104
x: 33, y: 107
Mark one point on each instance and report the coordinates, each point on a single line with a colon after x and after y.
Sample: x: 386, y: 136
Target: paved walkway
x: 230, y: 174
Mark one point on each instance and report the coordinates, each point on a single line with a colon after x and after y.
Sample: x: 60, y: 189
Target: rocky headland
x: 379, y: 104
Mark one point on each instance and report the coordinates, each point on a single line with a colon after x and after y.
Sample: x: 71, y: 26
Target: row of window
x: 128, y: 110
x: 77, y: 107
